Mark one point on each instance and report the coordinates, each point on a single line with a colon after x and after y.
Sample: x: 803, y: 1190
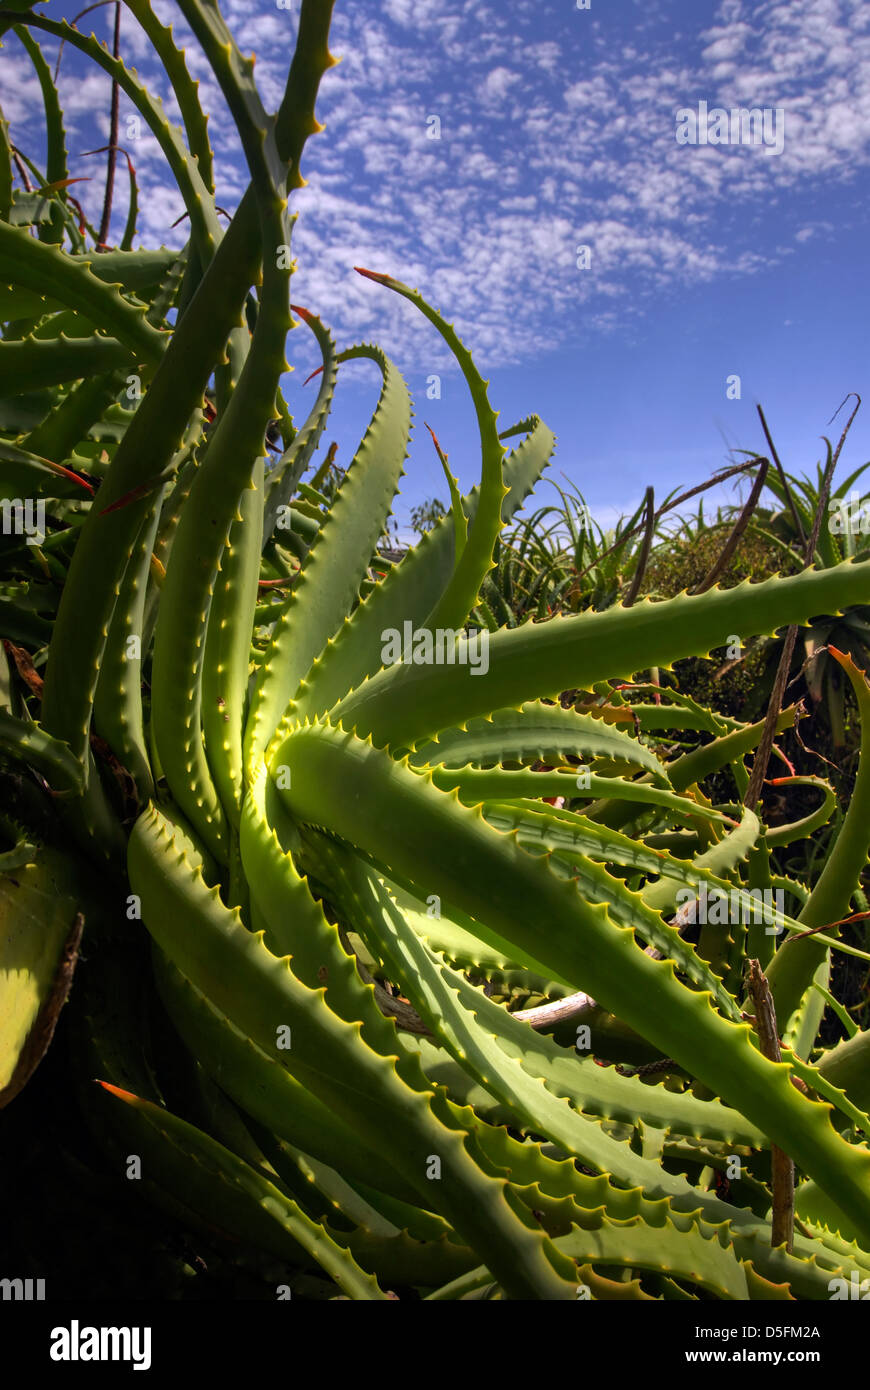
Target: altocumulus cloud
x: 556, y: 129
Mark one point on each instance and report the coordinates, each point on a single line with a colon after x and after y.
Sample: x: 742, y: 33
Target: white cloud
x: 498, y: 82
x: 552, y: 134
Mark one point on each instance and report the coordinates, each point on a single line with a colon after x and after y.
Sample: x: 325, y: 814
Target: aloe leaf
x: 792, y: 969
x: 28, y: 742
x: 179, y: 645
x: 462, y: 859
x: 267, y: 1090
x: 406, y: 703
x: 197, y: 198
x: 682, y: 713
x: 228, y: 647
x: 846, y: 1065
x: 496, y: 1048
x: 129, y: 232
x: 469, y: 943
x: 389, y: 1250
x: 56, y: 170
x: 568, y: 1196
x: 227, y: 1191
x: 68, y: 278
x: 539, y: 731
x: 209, y: 945
x: 597, y: 885
x: 159, y: 424
x: 413, y: 587
x: 118, y: 714
x: 476, y: 785
x: 23, y: 474
x: 232, y: 456
x: 283, y: 478
x: 460, y: 596
x: 109, y: 533
x: 728, y: 748
x: 710, y: 867
x: 564, y: 1196
x: 807, y: 825
x: 30, y: 364
x: 326, y: 590
x: 183, y: 85
x: 40, y: 933
x: 709, y: 1261
x: 5, y: 170
x: 57, y: 435
x: 139, y: 272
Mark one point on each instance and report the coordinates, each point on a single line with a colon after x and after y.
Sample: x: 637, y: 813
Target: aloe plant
x: 339, y: 857
x: 842, y: 536
x: 559, y: 559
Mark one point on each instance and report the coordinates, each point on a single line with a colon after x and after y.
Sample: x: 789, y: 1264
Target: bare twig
x: 406, y: 1016
x: 781, y: 1166
x: 848, y: 424
x: 646, y: 545
x: 223, y: 213
x: 829, y: 926
x: 737, y: 530
x: 22, y: 171
x: 558, y: 1011
x: 111, y: 161
x: 768, y: 734
x: 650, y: 1068
x: 762, y: 756
x: 579, y: 1005
x: 782, y: 478
x: 812, y: 752
x: 72, y: 24
x: 721, y: 477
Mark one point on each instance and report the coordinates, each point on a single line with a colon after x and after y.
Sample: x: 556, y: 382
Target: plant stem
x: 112, y: 156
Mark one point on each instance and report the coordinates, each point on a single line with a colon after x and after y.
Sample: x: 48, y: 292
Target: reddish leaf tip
x: 372, y: 275
x: 116, y: 1090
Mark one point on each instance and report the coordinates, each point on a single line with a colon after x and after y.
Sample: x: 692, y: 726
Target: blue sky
x: 557, y: 129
